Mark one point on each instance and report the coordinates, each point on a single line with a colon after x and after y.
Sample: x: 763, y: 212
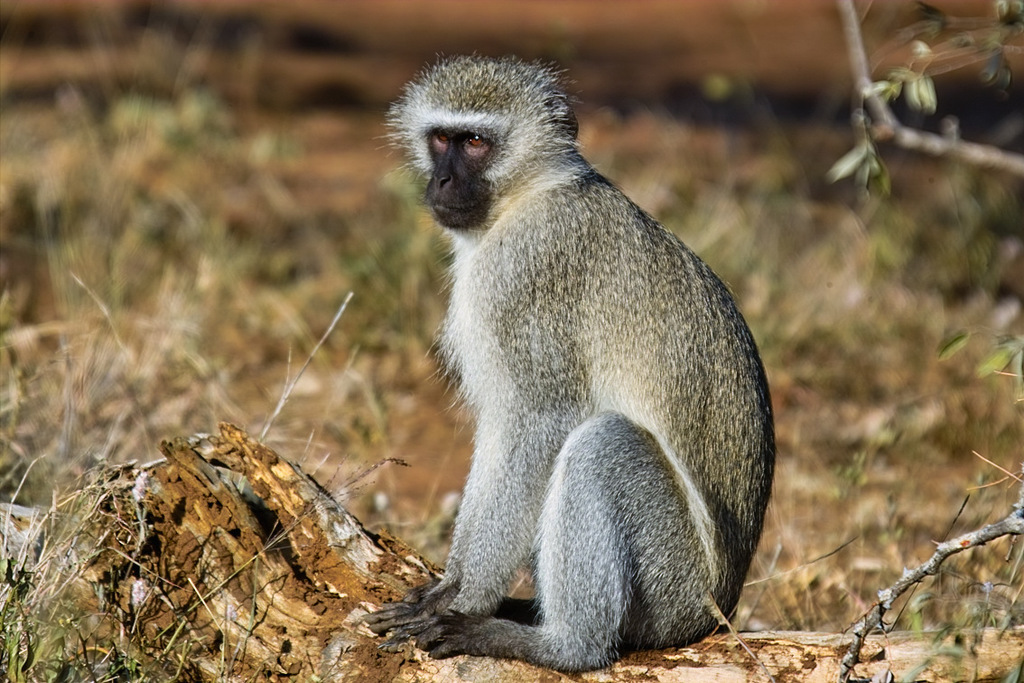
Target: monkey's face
x: 458, y: 194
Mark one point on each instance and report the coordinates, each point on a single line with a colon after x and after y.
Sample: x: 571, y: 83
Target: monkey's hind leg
x: 610, y: 491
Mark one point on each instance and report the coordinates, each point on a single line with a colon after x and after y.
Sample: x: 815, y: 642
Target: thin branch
x: 1012, y: 525
x: 724, y: 621
x: 888, y: 128
x: 286, y: 394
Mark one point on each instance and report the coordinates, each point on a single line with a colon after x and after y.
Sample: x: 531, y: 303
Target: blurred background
x: 188, y: 191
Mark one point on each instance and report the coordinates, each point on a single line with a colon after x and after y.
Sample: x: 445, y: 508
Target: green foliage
x: 1016, y: 675
x: 20, y: 652
x: 865, y: 164
x: 1005, y: 357
x: 33, y: 645
x: 956, y: 44
x: 853, y: 475
x: 197, y: 118
x: 952, y: 344
x: 918, y: 88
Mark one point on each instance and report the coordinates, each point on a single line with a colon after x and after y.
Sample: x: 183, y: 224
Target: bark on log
x: 227, y: 563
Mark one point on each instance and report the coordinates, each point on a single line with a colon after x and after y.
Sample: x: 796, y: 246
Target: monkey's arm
x: 494, y: 530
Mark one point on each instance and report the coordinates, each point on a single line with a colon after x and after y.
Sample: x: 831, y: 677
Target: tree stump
x: 224, y: 562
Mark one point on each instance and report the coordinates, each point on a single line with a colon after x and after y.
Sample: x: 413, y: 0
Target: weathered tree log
x: 224, y: 562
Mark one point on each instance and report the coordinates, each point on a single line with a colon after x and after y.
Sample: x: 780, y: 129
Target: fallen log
x: 224, y: 562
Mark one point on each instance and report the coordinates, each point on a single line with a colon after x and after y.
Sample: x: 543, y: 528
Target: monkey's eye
x: 439, y: 142
x: 477, y: 146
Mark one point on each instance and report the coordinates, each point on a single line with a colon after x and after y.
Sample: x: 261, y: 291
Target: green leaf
x: 997, y: 73
x: 848, y: 163
x: 929, y: 100
x: 950, y: 345
x: 913, y: 95
x: 921, y: 94
x: 1017, y: 368
x: 996, y: 361
x: 878, y: 177
x: 1010, y: 12
x: 902, y: 74
x: 887, y: 90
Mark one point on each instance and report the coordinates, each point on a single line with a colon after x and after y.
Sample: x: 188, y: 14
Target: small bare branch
x: 885, y: 125
x: 290, y: 385
x: 1012, y: 525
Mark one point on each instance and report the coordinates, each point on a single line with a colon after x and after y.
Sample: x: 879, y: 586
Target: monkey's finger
x: 431, y: 637
x: 412, y: 629
x: 390, y: 616
x: 444, y: 639
x: 419, y: 592
x: 403, y: 634
x: 444, y: 633
x: 393, y: 645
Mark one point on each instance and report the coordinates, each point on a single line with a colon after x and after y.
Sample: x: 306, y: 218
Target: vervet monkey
x: 624, y: 443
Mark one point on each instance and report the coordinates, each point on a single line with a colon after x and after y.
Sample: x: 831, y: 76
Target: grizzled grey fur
x: 624, y: 443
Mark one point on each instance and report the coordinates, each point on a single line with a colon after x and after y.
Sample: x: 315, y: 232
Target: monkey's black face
x: 458, y: 194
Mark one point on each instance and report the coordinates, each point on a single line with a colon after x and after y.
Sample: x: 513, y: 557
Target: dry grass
x: 47, y: 552
x: 165, y: 267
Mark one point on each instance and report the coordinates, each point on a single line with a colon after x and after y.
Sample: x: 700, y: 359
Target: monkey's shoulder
x: 592, y: 220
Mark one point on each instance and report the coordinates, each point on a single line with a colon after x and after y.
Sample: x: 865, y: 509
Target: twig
x: 888, y: 127
x: 1012, y: 525
x: 105, y: 310
x: 724, y: 621
x: 294, y: 380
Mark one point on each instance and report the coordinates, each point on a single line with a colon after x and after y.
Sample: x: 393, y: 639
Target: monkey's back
x: 632, y: 301
x: 670, y: 311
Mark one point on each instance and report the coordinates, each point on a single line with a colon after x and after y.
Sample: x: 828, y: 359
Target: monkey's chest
x: 513, y: 336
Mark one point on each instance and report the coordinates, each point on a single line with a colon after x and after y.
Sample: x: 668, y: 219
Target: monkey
x: 624, y: 445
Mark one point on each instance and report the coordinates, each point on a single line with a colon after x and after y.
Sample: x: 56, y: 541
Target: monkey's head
x: 480, y: 128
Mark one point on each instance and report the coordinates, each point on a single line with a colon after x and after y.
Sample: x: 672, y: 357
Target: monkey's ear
x: 563, y: 115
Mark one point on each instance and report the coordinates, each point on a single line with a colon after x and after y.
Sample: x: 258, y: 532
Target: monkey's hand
x: 453, y: 633
x: 418, y: 605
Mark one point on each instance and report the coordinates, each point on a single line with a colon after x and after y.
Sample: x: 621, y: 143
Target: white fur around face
x: 467, y: 341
